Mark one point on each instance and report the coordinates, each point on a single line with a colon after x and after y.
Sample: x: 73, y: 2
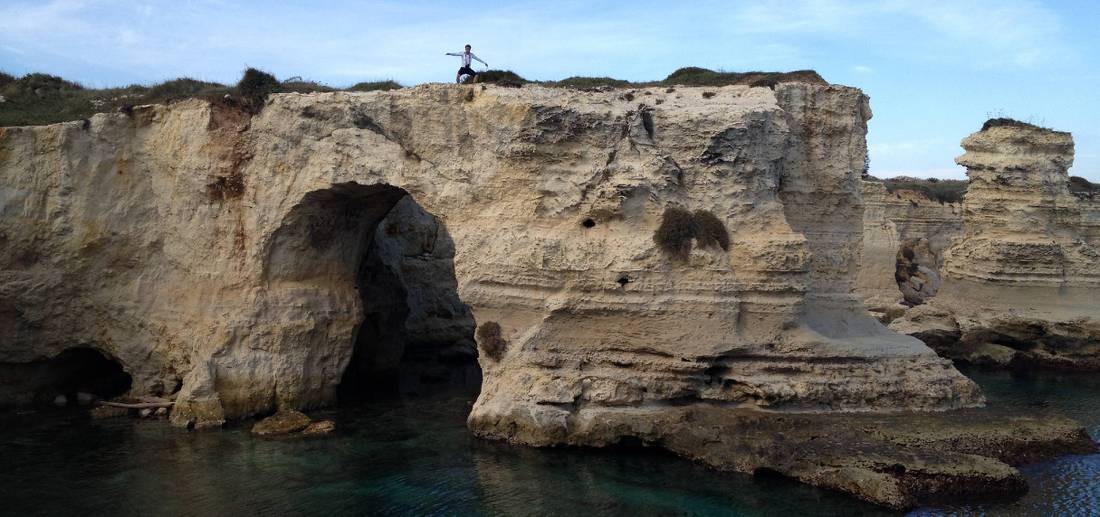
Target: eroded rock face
x: 892, y: 223
x: 1020, y: 283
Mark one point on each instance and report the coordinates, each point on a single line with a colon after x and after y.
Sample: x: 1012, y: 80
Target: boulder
x: 281, y: 423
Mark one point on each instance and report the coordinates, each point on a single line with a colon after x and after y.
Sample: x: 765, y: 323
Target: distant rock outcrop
x: 1020, y: 284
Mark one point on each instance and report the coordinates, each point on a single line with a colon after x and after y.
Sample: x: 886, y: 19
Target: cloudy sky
x: 935, y: 70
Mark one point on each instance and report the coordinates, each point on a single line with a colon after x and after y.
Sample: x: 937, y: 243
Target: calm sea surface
x: 414, y: 457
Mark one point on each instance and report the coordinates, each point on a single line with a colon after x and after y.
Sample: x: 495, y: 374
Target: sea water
x: 413, y: 456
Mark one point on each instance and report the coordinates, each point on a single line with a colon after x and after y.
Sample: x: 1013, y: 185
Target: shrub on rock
x: 255, y: 86
x: 489, y: 336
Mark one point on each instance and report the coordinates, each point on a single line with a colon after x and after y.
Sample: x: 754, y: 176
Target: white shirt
x: 466, y: 58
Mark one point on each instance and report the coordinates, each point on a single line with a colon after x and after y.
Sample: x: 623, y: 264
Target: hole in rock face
x: 413, y: 333
x: 623, y: 280
x: 75, y: 373
x: 588, y: 223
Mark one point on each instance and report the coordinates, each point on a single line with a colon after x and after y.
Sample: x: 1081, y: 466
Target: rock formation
x: 1020, y: 283
x: 239, y: 260
x: 894, y: 222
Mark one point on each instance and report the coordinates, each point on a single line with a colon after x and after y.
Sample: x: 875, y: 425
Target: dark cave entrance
x: 67, y: 379
x: 414, y: 335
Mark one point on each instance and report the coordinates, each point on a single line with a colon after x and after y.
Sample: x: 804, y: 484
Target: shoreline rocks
x: 290, y: 423
x: 901, y: 461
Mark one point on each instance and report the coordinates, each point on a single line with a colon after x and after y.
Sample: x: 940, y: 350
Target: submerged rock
x: 281, y: 423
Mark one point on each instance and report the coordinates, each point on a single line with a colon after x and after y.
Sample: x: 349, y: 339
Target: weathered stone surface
x: 890, y: 220
x: 226, y: 257
x: 319, y: 428
x: 217, y: 254
x: 897, y: 460
x: 283, y: 422
x: 1019, y: 285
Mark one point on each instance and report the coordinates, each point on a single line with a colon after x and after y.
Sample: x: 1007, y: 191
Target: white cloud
x: 862, y: 69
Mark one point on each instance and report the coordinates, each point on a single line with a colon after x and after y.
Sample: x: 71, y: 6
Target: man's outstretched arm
x: 479, y: 59
x: 455, y: 54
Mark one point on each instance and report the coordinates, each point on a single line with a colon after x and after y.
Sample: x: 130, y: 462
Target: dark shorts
x: 466, y: 71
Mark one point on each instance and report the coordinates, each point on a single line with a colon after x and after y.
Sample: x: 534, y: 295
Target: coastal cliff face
x: 246, y: 264
x: 894, y: 222
x: 1020, y: 283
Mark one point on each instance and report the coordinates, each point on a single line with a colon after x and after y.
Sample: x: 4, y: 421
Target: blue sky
x: 935, y: 70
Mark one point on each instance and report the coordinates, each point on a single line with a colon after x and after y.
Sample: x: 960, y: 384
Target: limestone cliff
x: 894, y: 222
x: 244, y: 262
x: 1020, y: 283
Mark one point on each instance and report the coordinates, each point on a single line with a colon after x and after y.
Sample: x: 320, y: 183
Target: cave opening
x: 414, y: 335
x: 78, y: 376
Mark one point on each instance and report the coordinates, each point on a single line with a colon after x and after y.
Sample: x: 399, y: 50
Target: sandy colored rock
x: 228, y: 246
x: 281, y: 423
x: 1019, y: 285
x: 890, y: 220
x: 226, y: 257
x: 319, y: 428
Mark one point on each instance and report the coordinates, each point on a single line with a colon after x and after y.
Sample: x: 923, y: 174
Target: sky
x: 934, y: 69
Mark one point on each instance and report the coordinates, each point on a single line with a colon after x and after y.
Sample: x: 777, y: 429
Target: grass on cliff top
x: 687, y: 76
x: 39, y: 99
x: 944, y: 191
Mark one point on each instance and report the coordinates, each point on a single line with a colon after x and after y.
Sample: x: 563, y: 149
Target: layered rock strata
x: 236, y: 260
x: 894, y: 222
x: 1020, y: 284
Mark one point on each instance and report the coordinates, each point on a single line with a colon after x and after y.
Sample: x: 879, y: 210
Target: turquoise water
x: 414, y: 456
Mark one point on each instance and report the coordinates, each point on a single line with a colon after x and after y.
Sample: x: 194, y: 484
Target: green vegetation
x: 944, y: 191
x: 375, y: 86
x: 1008, y: 122
x: 37, y: 99
x: 710, y: 231
x: 502, y: 78
x: 490, y: 337
x: 255, y: 86
x: 688, y: 76
x: 679, y: 227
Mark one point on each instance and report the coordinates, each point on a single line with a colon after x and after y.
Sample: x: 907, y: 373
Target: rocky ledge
x: 899, y: 460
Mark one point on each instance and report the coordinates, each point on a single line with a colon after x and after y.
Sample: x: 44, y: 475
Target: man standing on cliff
x: 467, y: 58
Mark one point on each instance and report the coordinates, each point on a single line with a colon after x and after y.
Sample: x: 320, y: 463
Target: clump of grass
x: 680, y: 228
x: 710, y: 230
x: 180, y: 88
x: 255, y: 86
x: 502, y: 78
x: 581, y: 82
x: 1007, y: 122
x: 696, y: 76
x: 371, y: 86
x: 490, y: 337
x: 299, y: 86
x: 675, y: 233
x: 5, y: 79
